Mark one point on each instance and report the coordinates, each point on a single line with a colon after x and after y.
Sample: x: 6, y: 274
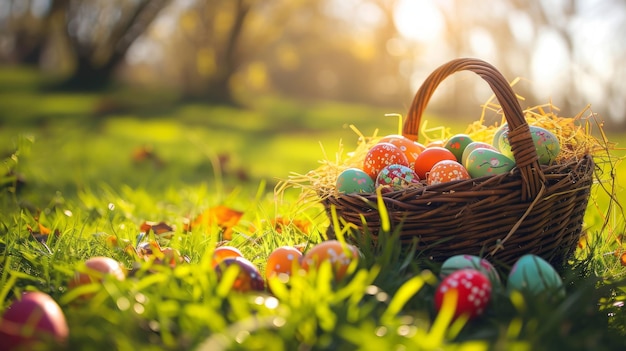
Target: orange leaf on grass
x: 222, y: 216
x: 622, y: 259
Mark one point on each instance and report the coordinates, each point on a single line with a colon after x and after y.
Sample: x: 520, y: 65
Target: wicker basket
x: 532, y: 209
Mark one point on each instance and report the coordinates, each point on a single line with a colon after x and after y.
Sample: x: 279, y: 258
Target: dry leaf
x: 222, y: 216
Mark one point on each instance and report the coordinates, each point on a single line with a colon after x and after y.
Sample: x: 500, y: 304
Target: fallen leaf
x: 222, y: 216
x: 622, y: 259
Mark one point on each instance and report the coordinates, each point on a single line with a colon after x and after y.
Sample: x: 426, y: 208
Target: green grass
x: 81, y: 180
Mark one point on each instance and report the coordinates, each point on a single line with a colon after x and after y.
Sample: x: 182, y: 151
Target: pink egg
x: 447, y: 171
x: 35, y: 318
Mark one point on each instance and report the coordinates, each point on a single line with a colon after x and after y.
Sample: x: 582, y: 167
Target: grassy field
x: 88, y: 176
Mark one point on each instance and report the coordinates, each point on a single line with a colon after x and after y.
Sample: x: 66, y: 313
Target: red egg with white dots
x: 447, y: 171
x: 409, y: 147
x: 382, y: 155
x: 283, y: 260
x: 470, y: 291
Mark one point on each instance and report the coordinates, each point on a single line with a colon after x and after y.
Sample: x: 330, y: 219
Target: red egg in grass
x: 283, y: 260
x: 97, y: 269
x: 446, y: 171
x: 469, y: 289
x: 339, y: 255
x: 382, y: 155
x: 429, y: 157
x: 35, y: 318
x: 249, y: 277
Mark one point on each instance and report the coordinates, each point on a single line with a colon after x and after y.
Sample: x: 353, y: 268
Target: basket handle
x: 519, y: 133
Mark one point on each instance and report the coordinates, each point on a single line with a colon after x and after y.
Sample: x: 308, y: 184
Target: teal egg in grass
x: 458, y: 262
x: 546, y: 144
x: 487, y: 162
x: 535, y: 275
x: 354, y: 180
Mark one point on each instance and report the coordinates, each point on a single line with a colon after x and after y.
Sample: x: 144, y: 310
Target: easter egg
x: 473, y: 292
x: 457, y: 144
x: 222, y: 252
x: 429, y: 157
x: 283, y: 260
x: 339, y: 255
x: 354, y: 180
x: 447, y: 171
x: 458, y: 262
x: 473, y: 146
x: 382, y: 155
x: 96, y: 269
x: 533, y: 274
x: 546, y: 144
x: 32, y: 321
x: 409, y: 147
x: 249, y: 277
x: 397, y: 177
x: 498, y: 134
x: 484, y: 162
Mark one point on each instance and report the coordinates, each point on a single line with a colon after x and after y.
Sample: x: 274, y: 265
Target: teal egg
x: 354, y: 180
x: 533, y: 274
x: 458, y: 262
x: 546, y: 144
x: 473, y: 146
x: 456, y: 144
x: 397, y: 177
x: 484, y: 162
x: 496, y: 137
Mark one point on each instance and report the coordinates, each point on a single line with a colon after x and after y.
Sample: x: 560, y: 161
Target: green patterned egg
x: 498, y: 134
x: 546, y: 144
x: 458, y: 262
x: 484, y: 162
x: 473, y: 146
x: 533, y: 274
x: 354, y: 180
x: 456, y: 144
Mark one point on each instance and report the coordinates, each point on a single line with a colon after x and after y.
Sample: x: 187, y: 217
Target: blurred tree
x: 96, y: 34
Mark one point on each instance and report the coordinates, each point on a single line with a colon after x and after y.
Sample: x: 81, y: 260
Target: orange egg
x: 340, y: 257
x: 409, y: 147
x: 429, y: 157
x: 382, y: 155
x: 97, y: 269
x: 283, y: 260
x: 222, y: 252
x: 446, y: 171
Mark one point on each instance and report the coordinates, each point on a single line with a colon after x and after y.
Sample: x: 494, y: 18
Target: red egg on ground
x: 339, y: 255
x: 429, y: 157
x: 472, y: 290
x: 447, y: 171
x: 33, y: 319
x: 283, y: 260
x: 382, y: 155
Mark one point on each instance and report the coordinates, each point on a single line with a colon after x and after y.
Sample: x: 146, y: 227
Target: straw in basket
x: 534, y: 208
